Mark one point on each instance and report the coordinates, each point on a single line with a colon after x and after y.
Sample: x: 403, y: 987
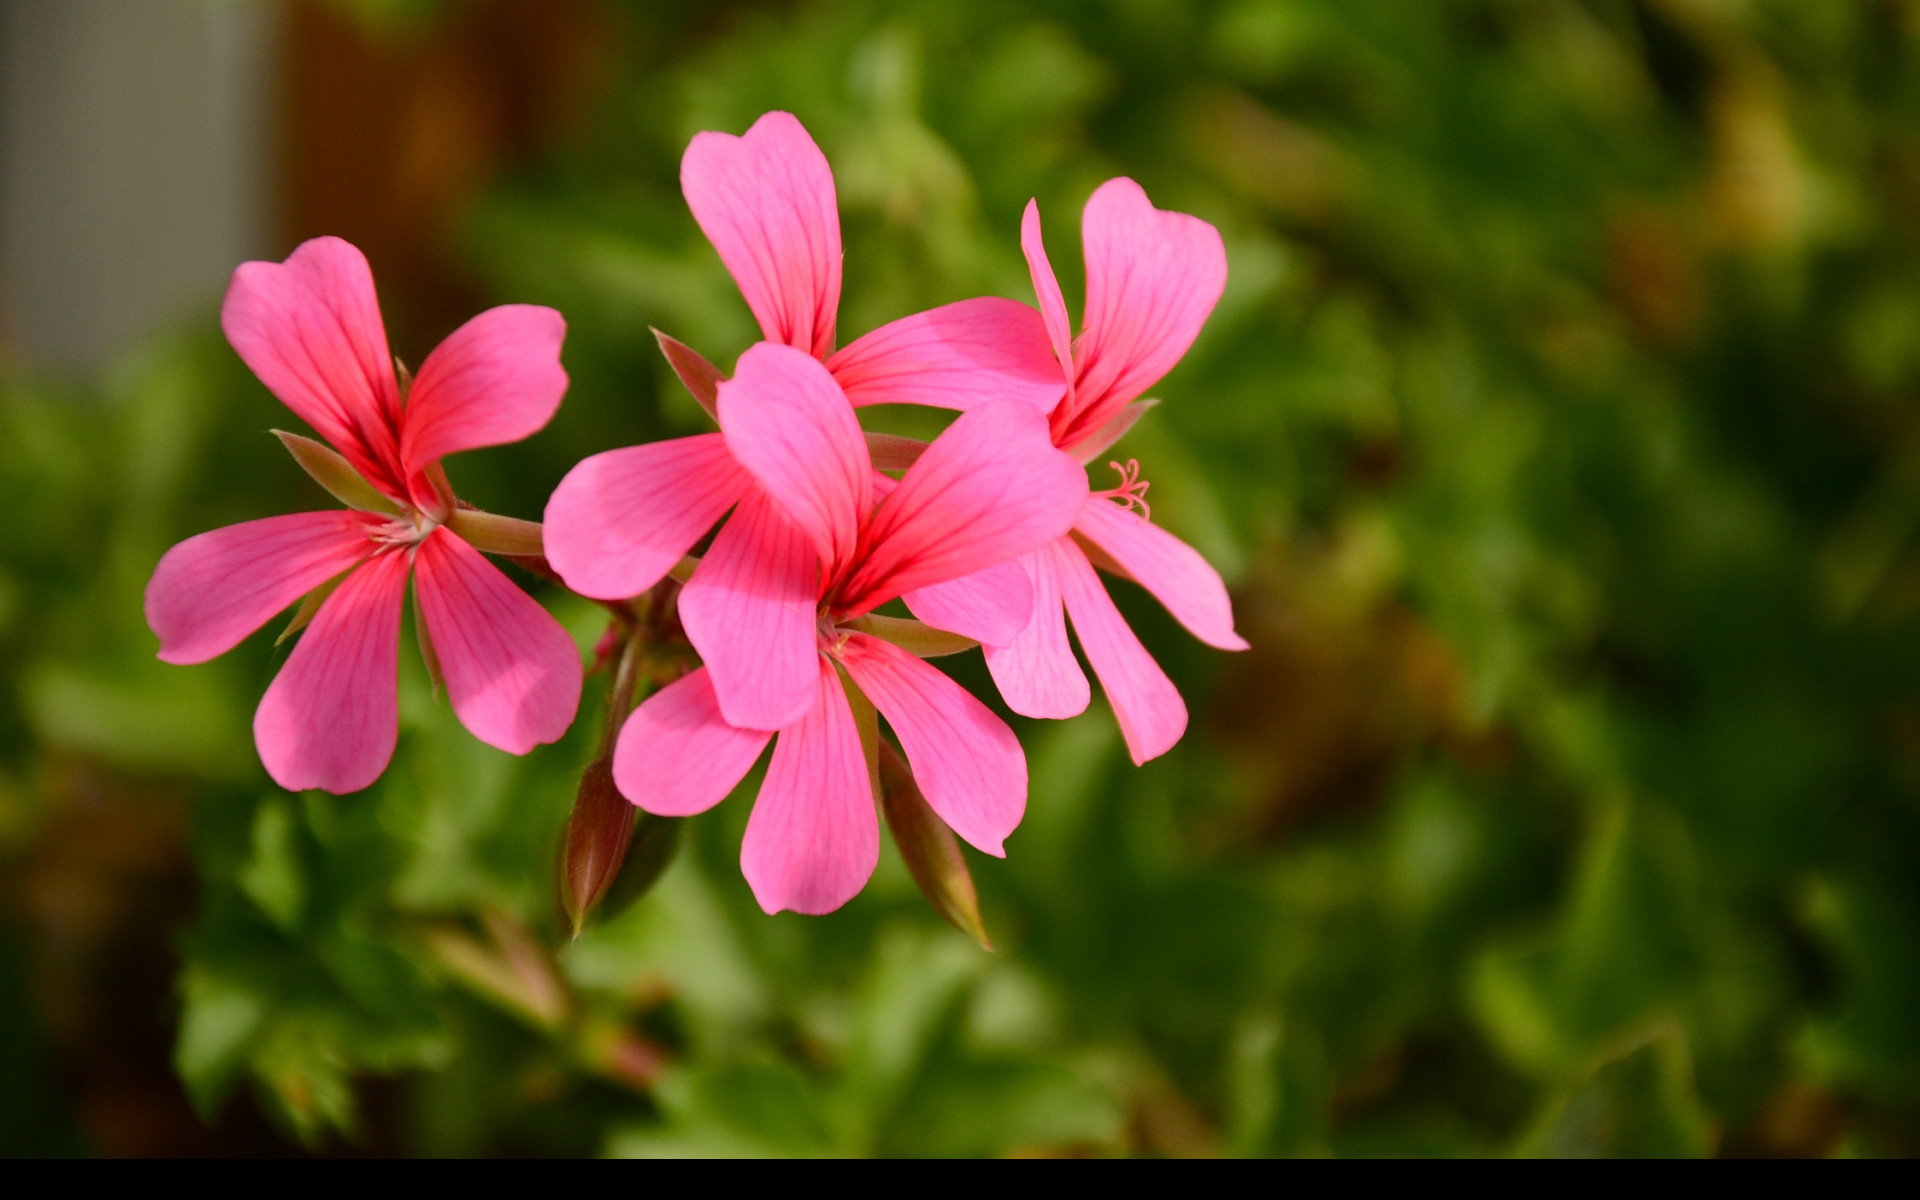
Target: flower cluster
x: 988, y: 535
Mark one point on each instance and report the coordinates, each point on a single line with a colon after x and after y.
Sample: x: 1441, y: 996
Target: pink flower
x: 310, y: 328
x: 1152, y: 279
x: 990, y: 488
x: 766, y: 202
x: 621, y: 520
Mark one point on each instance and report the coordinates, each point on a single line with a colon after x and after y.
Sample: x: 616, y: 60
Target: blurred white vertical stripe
x: 136, y: 165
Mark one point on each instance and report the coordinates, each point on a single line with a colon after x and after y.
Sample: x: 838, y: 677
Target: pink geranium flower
x: 766, y: 202
x: 990, y: 488
x: 310, y: 328
x: 621, y: 520
x: 1152, y: 279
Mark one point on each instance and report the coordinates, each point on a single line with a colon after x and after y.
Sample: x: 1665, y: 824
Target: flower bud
x: 597, y: 838
x: 615, y: 853
x: 931, y: 851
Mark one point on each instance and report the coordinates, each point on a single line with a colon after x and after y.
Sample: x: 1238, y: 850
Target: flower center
x: 408, y: 530
x: 1132, y: 492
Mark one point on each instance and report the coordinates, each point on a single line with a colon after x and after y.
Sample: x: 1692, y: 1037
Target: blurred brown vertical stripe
x: 393, y: 130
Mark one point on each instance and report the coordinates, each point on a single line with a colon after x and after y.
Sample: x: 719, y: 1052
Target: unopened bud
x: 615, y: 853
x: 597, y: 838
x: 931, y: 851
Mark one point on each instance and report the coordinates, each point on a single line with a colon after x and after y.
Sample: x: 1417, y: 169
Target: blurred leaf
x: 218, y: 1024
x: 1638, y: 1103
x: 273, y: 877
x: 154, y: 718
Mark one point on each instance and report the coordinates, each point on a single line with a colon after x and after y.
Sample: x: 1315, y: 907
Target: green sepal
x: 867, y: 721
x: 915, y: 638
x: 427, y: 653
x: 930, y: 850
x: 309, y: 605
x: 335, y: 474
x: 701, y: 377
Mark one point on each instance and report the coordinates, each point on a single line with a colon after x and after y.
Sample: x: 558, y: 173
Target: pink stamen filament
x: 1132, y: 492
x: 409, y: 530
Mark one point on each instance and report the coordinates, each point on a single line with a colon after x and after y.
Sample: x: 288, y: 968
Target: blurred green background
x: 1558, y: 435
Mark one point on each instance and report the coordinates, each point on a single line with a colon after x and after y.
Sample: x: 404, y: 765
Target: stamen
x: 830, y: 638
x: 409, y: 530
x: 1132, y: 492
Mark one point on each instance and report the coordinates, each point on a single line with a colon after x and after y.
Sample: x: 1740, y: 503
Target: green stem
x: 627, y: 678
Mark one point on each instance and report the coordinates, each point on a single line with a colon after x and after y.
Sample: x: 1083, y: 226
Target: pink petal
x: 211, y: 591
x: 989, y: 489
x: 677, y: 755
x: 1166, y: 566
x: 967, y: 762
x: 990, y: 606
x: 957, y: 356
x: 512, y: 673
x: 1152, y: 280
x: 1151, y: 713
x: 310, y: 329
x: 497, y: 379
x: 1036, y: 672
x: 813, y: 840
x: 766, y: 202
x: 749, y: 609
x: 621, y: 520
x: 331, y: 717
x: 787, y: 422
x: 1046, y: 288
